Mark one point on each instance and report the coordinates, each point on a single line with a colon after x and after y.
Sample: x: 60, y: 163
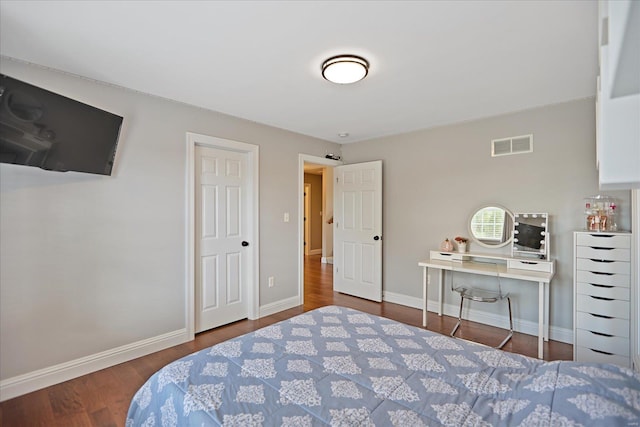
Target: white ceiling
x: 432, y: 62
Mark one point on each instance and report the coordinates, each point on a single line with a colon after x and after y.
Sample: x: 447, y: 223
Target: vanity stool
x: 482, y: 295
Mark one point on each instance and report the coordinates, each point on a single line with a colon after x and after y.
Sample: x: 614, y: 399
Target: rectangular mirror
x: 530, y: 235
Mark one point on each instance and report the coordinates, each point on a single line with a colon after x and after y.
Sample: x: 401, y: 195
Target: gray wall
x: 90, y: 263
x: 434, y: 179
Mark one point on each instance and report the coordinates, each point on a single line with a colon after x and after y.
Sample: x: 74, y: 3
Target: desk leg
x: 424, y: 296
x: 541, y: 311
x: 440, y: 289
x: 546, y: 311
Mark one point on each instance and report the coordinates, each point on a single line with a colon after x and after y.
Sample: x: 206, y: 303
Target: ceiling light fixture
x: 345, y: 69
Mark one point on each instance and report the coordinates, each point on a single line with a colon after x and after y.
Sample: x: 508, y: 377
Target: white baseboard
x: 326, y: 260
x: 278, y: 306
x: 524, y: 326
x: 36, y: 380
x: 401, y: 299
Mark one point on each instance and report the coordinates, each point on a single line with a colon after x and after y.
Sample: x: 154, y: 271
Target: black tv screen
x: 50, y: 131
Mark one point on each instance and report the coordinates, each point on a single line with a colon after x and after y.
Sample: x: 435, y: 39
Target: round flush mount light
x: 345, y: 69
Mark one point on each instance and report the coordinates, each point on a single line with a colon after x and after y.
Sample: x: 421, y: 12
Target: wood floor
x: 102, y: 398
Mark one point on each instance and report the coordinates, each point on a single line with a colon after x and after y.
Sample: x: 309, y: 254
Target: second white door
x: 358, y: 230
x: 221, y: 181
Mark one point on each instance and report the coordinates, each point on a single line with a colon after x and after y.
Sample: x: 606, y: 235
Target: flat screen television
x: 50, y: 131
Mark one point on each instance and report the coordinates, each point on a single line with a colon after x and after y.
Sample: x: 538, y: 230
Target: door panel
x: 209, y: 275
x: 209, y: 212
x: 221, y: 183
x: 368, y: 210
x: 358, y: 221
x: 368, y: 257
x: 234, y: 291
x: 234, y: 219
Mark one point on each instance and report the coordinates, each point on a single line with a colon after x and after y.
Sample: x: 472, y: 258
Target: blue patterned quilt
x: 341, y: 367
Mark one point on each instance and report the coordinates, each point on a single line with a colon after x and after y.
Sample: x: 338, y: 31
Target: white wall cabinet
x: 602, y: 297
x: 618, y: 95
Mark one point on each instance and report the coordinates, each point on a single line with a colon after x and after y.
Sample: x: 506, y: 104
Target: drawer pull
x: 600, y: 248
x: 602, y: 298
x: 601, y: 273
x: 601, y: 352
x: 602, y: 316
x: 601, y: 286
x: 601, y: 334
x: 601, y: 235
x: 528, y: 262
x: 602, y: 260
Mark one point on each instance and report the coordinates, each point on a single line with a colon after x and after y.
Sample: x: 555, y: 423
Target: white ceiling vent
x: 512, y: 145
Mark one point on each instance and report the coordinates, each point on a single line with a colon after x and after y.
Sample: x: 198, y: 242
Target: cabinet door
x: 589, y: 355
x: 603, y: 266
x: 602, y: 278
x: 602, y: 324
x: 603, y: 342
x: 601, y: 253
x: 604, y: 307
x: 604, y: 291
x: 603, y: 240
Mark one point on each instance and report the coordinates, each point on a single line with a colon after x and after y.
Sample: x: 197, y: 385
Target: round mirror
x: 491, y: 226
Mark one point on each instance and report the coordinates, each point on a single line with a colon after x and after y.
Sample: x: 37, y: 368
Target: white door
x: 220, y: 229
x: 358, y: 230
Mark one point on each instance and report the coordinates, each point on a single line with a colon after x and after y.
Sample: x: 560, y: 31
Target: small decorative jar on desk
x: 446, y: 245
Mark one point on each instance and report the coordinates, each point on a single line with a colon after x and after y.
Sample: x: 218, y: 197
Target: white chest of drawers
x: 601, y: 285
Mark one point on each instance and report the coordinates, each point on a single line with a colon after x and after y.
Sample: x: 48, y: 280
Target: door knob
x: 376, y: 238
x: 245, y: 243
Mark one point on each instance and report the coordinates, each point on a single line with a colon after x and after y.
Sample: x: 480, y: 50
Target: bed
x: 341, y: 367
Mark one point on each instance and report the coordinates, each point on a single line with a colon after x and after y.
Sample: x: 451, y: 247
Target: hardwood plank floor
x: 102, y: 398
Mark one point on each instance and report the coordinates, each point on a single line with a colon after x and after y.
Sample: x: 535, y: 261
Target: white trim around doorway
x: 253, y: 152
x: 302, y: 159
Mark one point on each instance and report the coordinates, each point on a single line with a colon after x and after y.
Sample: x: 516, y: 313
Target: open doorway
x: 315, y: 242
x: 316, y: 217
x: 307, y: 215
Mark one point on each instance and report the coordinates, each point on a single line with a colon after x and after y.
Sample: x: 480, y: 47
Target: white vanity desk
x: 529, y: 270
